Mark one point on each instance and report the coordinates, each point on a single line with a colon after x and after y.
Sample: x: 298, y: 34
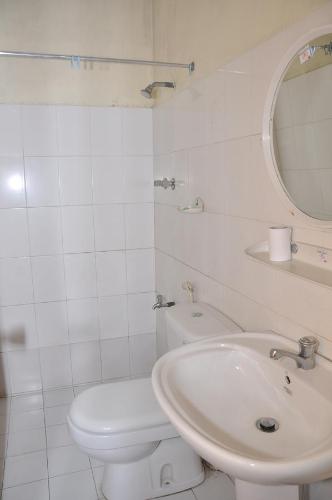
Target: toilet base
x: 171, y: 468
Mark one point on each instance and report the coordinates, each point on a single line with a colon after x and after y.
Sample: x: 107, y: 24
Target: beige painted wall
x: 119, y: 28
x: 213, y: 32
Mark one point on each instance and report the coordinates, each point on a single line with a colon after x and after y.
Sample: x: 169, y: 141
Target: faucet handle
x: 159, y: 304
x: 308, y: 346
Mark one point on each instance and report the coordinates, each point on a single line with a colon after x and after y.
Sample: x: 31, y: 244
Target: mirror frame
x: 267, y: 135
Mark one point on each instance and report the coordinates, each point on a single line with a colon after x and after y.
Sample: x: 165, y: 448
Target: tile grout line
x: 30, y: 248
x: 95, y: 255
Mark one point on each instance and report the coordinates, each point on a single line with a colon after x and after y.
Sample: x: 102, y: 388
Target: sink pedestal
x: 251, y: 491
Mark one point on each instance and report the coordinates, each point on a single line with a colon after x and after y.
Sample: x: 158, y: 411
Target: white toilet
x: 121, y: 423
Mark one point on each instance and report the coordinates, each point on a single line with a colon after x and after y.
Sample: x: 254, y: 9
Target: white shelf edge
x: 307, y: 264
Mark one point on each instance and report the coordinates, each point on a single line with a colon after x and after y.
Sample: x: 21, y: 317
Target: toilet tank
x: 190, y: 322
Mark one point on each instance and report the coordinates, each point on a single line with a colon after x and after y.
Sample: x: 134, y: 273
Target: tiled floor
x: 38, y: 460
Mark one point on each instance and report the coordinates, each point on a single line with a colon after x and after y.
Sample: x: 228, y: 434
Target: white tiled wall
x: 303, y: 123
x: 208, y: 137
x: 76, y: 252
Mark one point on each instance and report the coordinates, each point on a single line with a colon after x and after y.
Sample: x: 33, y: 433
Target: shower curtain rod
x: 76, y: 59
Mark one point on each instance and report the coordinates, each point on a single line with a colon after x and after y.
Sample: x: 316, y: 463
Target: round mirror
x: 302, y: 129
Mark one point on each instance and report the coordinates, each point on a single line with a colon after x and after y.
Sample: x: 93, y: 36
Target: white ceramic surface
x: 76, y: 258
x: 214, y: 391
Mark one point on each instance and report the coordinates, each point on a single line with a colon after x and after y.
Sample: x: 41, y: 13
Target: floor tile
x: 2, y: 470
x: 3, y: 445
x: 183, y: 495
x: 4, y: 422
x: 215, y: 484
x: 27, y: 402
x: 73, y: 486
x: 58, y: 397
x: 26, y: 442
x: 27, y: 420
x: 96, y: 463
x: 319, y: 491
x: 58, y: 435
x: 32, y: 491
x: 80, y: 388
x: 56, y: 415
x: 4, y: 406
x: 98, y: 477
x: 25, y: 469
x: 65, y: 460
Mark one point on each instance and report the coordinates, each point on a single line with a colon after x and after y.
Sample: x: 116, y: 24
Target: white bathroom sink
x: 214, y: 391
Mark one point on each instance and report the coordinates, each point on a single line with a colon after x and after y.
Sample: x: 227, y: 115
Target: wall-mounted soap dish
x: 196, y: 208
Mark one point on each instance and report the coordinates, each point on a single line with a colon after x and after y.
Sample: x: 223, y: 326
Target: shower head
x: 147, y: 92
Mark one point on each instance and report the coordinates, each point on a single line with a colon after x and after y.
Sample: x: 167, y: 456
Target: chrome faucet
x: 306, y: 358
x: 159, y: 304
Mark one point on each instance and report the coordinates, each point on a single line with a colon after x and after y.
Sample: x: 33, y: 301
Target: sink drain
x: 267, y: 424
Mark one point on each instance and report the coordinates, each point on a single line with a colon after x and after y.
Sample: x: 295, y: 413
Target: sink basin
x: 215, y: 391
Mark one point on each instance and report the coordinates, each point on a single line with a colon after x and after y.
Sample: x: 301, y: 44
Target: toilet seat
x: 118, y: 414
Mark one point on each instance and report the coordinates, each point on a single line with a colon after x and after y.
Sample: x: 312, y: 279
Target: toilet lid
x: 117, y: 407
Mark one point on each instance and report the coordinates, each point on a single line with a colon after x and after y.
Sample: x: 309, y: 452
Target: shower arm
x: 163, y: 84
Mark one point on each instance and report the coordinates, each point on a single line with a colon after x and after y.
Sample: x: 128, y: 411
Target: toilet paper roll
x: 280, y: 239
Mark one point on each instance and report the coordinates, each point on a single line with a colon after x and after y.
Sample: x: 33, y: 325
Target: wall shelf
x: 311, y: 262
